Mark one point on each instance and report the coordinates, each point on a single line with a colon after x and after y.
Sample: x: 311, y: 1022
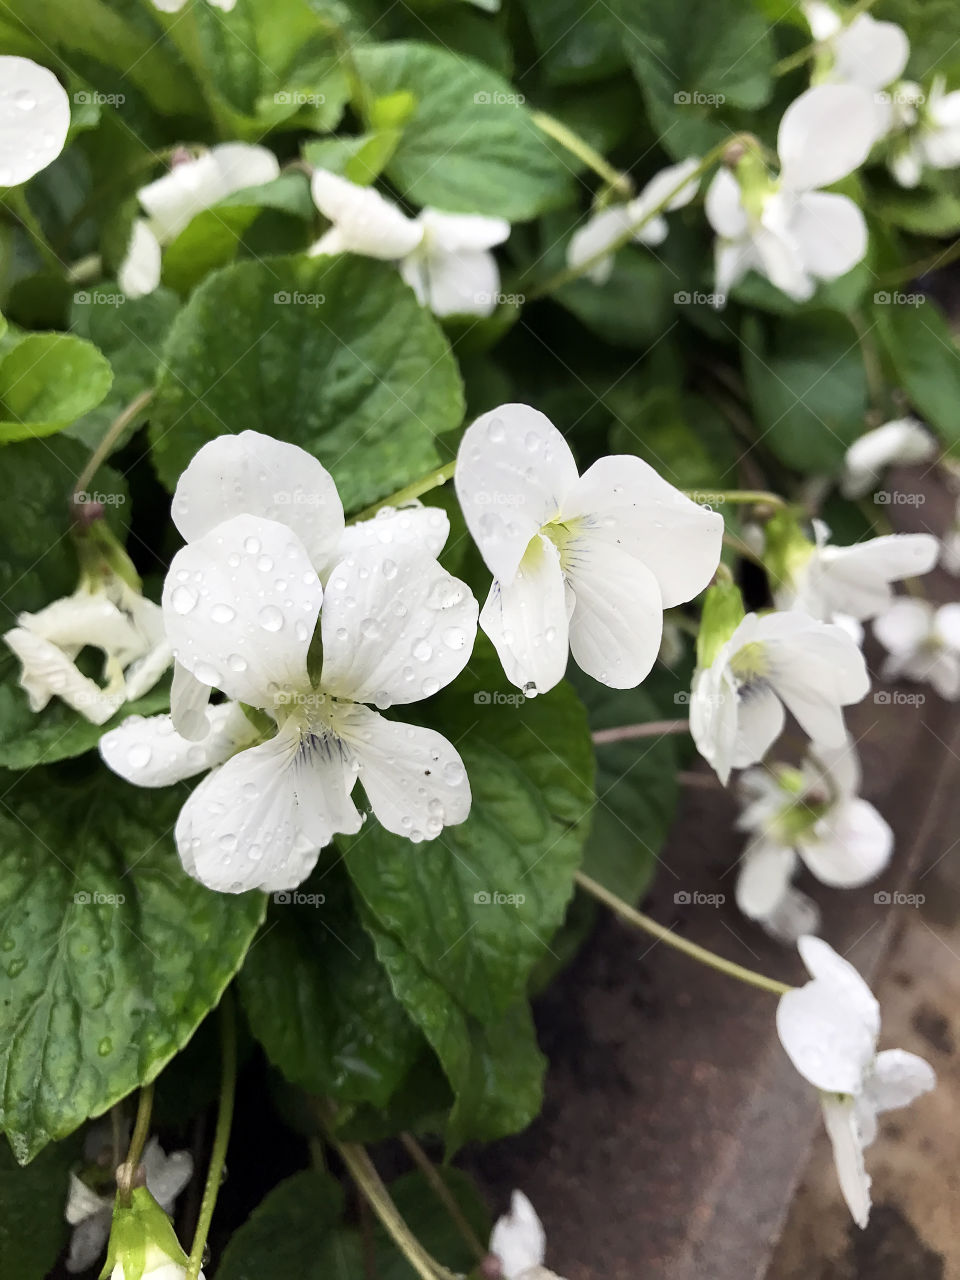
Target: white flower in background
x: 240, y: 605
x: 602, y: 230
x: 444, y: 257
x: 34, y: 119
x: 950, y: 546
x: 174, y: 6
x: 171, y: 202
x: 904, y: 442
x: 930, y: 132
x: 829, y: 1029
x: 452, y: 270
x: 90, y: 1214
x: 780, y: 660
x: 787, y: 229
x: 519, y: 1242
x: 870, y: 54
x: 580, y: 563
x: 811, y: 815
x: 110, y: 616
x: 828, y: 582
x: 148, y: 750
x: 922, y: 643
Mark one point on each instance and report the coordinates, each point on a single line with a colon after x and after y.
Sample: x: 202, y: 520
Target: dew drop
x: 422, y: 651
x: 183, y: 599
x: 25, y: 100
x: 270, y: 618
x: 530, y: 690
x: 138, y: 757
x: 453, y: 773
x: 236, y: 662
x: 430, y: 686
x: 251, y: 546
x: 265, y: 564
x: 207, y: 674
x: 371, y: 628
x: 495, y: 430
x: 222, y: 613
x: 454, y: 637
x: 105, y: 1046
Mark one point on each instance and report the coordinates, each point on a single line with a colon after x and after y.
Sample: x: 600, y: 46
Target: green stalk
x: 221, y: 1137
x: 582, y: 149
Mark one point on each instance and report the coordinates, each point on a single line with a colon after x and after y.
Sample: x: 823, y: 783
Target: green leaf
x: 531, y: 770
x: 495, y: 1069
x: 577, y: 43
x: 919, y: 344
x: 361, y: 158
x: 363, y: 379
x: 47, y: 381
x: 130, y: 333
x: 291, y: 1235
x: 470, y: 145
x: 924, y: 212
x: 319, y: 1002
x: 113, y: 956
x: 682, y: 435
x: 613, y: 310
x: 33, y: 1229
x: 808, y: 387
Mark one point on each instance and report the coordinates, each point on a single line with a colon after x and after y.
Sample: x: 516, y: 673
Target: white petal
x: 906, y: 166
x: 527, y: 620
x: 414, y: 779
x: 366, y: 221
x: 139, y: 273
x: 514, y: 470
x: 166, y: 1175
x: 253, y: 474
x: 423, y: 528
x: 839, y: 1116
x: 831, y: 233
x: 849, y: 846
x: 625, y: 503
x: 856, y: 579
x: 794, y: 915
x: 462, y: 282
x: 674, y: 178
x: 89, y: 1239
x: 83, y: 1202
x: 396, y: 627
x: 823, y: 19
x: 837, y: 769
x: 518, y: 1238
x: 188, y: 704
x: 194, y: 185
x: 617, y: 620
x: 824, y: 1039
x: 149, y: 752
x: 598, y: 235
x: 34, y: 119
x: 815, y: 669
x: 453, y: 232
x: 824, y: 135
x: 724, y: 207
x: 778, y: 249
x: 897, y: 1079
x: 765, y: 872
x: 902, y: 441
x: 947, y: 625
x: 47, y: 672
x: 732, y: 260
x: 760, y: 723
x: 240, y: 606
x: 714, y: 716
x: 871, y: 53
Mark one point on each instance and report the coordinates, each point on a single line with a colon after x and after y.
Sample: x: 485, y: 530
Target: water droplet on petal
x: 183, y: 599
x: 222, y: 613
x: 530, y: 690
x: 138, y: 757
x: 251, y: 546
x: 422, y: 651
x: 270, y: 618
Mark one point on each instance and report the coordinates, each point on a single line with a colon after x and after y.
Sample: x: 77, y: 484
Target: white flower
x: 788, y: 229
x: 902, y: 441
x: 520, y: 1243
x: 90, y: 1214
x: 171, y: 202
x: 149, y: 752
x: 828, y: 581
x: 110, y: 616
x: 241, y: 605
x: 869, y: 54
x: 922, y: 643
x: 605, y: 228
x: 829, y: 1029
x: 174, y: 6
x: 930, y: 132
x: 950, y: 546
x: 581, y: 563
x: 811, y: 815
x: 769, y: 663
x: 444, y: 257
x: 34, y: 119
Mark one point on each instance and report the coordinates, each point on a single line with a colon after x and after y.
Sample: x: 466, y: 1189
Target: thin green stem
x: 442, y: 1192
x: 127, y: 1172
x: 432, y: 480
x: 903, y: 275
x: 649, y: 729
x: 582, y: 149
x: 872, y: 365
x: 809, y: 51
x: 221, y: 1136
x: 739, y: 497
x: 110, y: 437
x: 16, y: 201
x: 663, y: 934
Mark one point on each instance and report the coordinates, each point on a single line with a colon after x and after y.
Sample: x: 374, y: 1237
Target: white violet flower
x: 904, y: 441
x: 829, y: 1028
x: 811, y: 815
x: 34, y: 119
x: 174, y: 6
x: 787, y: 228
x: 922, y: 642
x: 602, y: 230
x: 930, y: 132
x: 584, y: 564
x: 865, y: 52
x: 519, y: 1242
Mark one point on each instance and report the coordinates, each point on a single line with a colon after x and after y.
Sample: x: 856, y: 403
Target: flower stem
x: 739, y: 497
x: 651, y: 729
x: 663, y: 934
x: 221, y: 1136
x: 442, y: 1192
x: 128, y: 1170
x: 16, y: 202
x: 110, y: 437
x: 582, y: 149
x: 432, y: 480
x: 803, y: 55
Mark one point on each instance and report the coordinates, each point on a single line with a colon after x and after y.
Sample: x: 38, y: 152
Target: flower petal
x: 897, y: 1079
x: 849, y: 847
x: 839, y: 1116
x: 903, y: 440
x: 414, y: 779
x: 366, y: 221
x: 148, y: 751
x: 188, y: 704
x: 724, y: 207
x: 825, y: 966
x: 815, y: 669
x: 514, y: 469
x: 765, y: 873
x: 47, y: 672
x: 714, y: 716
x: 194, y: 185
x: 598, y: 235
x: 625, y: 503
x: 617, y: 620
x: 527, y: 620
x: 415, y: 526
x: 240, y: 606
x: 462, y: 282
x: 823, y: 1039
x: 760, y: 724
x: 253, y: 474
x: 34, y: 119
x: 856, y: 579
x: 825, y: 134
x: 830, y: 232
x: 453, y: 232
x: 139, y: 273
x: 676, y: 178
x: 518, y: 1238
x: 870, y: 53
x: 396, y: 627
